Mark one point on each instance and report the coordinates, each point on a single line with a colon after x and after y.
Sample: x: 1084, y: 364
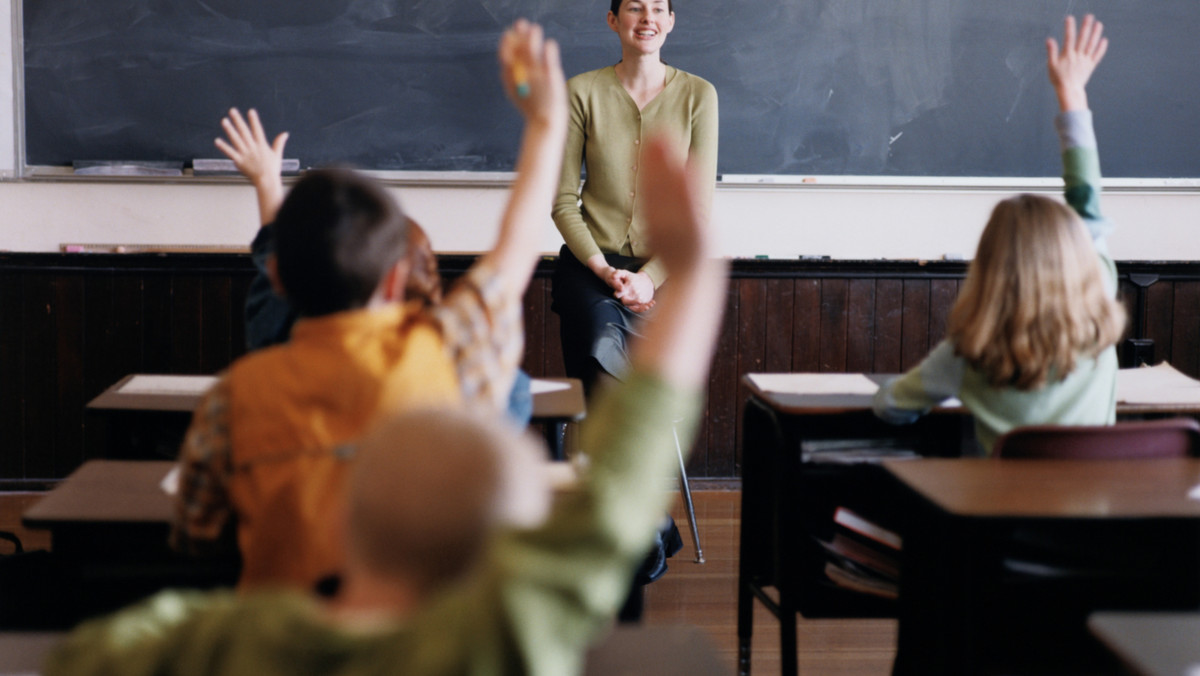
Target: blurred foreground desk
x: 109, y: 521
x: 148, y: 414
x: 1004, y: 559
x: 105, y: 505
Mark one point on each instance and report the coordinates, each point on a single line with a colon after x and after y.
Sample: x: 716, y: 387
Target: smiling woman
x: 607, y: 276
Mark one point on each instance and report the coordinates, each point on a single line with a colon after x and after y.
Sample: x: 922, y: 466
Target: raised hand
x: 677, y: 230
x: 258, y: 159
x: 1072, y: 66
x: 525, y: 55
x: 248, y: 146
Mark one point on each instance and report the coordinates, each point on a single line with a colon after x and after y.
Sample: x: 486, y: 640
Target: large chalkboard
x: 842, y: 87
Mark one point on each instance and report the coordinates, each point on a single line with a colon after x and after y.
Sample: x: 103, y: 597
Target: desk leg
x: 745, y: 625
x: 788, y: 661
x: 556, y: 434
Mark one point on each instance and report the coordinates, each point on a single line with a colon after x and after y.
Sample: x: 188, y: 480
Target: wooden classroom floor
x: 704, y: 595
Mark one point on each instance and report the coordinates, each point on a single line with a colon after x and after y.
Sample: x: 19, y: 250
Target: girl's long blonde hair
x: 1034, y: 299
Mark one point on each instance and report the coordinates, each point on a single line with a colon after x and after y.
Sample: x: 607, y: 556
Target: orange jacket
x: 294, y: 411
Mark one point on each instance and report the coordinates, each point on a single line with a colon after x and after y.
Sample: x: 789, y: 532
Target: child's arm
x: 567, y: 579
x: 544, y: 108
x: 937, y: 378
x: 481, y: 316
x: 259, y: 159
x: 268, y: 316
x: 1070, y: 67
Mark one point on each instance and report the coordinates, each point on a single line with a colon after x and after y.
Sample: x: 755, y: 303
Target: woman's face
x: 642, y: 25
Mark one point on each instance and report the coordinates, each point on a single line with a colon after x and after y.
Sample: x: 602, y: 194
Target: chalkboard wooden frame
x: 851, y: 38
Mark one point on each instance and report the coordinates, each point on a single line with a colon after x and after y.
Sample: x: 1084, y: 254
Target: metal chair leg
x: 687, y: 498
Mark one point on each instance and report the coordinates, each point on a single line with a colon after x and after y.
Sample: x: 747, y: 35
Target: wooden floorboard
x: 704, y: 595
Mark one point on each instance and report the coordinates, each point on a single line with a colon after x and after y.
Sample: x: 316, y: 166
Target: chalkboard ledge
x: 726, y: 182
x: 947, y: 183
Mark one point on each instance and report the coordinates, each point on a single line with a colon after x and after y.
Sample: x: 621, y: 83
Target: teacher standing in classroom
x: 607, y: 277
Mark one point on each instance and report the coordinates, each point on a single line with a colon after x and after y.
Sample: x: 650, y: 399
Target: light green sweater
x: 606, y: 133
x: 537, y: 601
x: 1087, y: 396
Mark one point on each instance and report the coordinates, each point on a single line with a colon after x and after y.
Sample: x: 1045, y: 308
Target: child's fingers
x: 228, y: 150
x: 1097, y: 39
x: 533, y: 43
x: 1089, y: 33
x: 280, y: 142
x: 1069, y: 33
x: 551, y: 61
x: 1051, y: 50
x: 235, y: 139
x: 239, y: 123
x: 256, y: 127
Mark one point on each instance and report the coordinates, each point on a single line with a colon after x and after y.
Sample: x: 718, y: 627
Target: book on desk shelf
x: 862, y: 556
x: 866, y: 528
x: 875, y: 560
x: 847, y: 577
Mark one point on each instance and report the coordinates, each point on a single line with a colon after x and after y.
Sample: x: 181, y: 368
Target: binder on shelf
x: 853, y: 580
x: 877, y: 561
x: 866, y: 528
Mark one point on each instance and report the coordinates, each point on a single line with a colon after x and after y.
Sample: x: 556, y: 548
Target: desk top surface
x: 554, y: 399
x: 1157, y: 390
x: 1063, y: 489
x: 108, y: 491
x: 1153, y: 644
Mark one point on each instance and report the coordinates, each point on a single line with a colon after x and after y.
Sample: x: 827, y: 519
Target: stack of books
x: 862, y: 555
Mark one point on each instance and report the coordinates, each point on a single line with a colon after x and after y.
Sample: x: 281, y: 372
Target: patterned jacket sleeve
x: 202, y: 504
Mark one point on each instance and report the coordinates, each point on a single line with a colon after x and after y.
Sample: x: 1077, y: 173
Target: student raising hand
x: 679, y: 341
x: 531, y: 73
x: 1071, y: 67
x: 259, y: 159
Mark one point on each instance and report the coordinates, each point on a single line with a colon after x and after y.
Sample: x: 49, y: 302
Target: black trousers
x: 594, y: 326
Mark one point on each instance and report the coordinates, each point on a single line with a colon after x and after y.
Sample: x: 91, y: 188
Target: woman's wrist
x: 599, y: 266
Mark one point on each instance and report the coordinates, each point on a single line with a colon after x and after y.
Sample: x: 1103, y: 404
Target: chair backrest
x: 1167, y: 438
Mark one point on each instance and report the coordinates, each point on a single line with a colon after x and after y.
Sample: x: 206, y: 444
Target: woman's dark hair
x: 337, y: 235
x: 615, y: 6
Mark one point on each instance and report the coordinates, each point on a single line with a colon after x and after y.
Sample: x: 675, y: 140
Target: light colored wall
x: 897, y: 223
x: 845, y: 223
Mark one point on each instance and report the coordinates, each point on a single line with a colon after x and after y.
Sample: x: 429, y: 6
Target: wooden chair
x: 1048, y: 577
x: 1141, y: 439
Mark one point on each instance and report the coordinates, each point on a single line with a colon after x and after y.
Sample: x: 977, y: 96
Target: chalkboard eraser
x: 953, y: 257
x: 224, y: 167
x: 126, y: 168
x: 814, y: 258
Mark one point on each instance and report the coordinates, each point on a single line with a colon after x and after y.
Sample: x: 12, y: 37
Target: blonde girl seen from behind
x: 1034, y: 298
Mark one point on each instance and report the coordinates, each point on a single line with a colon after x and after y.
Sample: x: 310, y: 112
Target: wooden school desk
x: 1004, y: 559
x: 149, y: 413
x: 108, y: 522
x: 106, y: 504
x: 1151, y: 644
x: 785, y: 498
